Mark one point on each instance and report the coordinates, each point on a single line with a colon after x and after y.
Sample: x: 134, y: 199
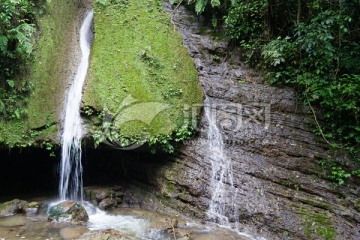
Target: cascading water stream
x: 222, y: 203
x: 71, y: 185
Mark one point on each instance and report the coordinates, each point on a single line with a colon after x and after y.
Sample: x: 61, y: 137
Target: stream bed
x: 119, y: 223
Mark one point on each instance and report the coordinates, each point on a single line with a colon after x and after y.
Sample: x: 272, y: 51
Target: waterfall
x: 222, y: 203
x: 71, y: 185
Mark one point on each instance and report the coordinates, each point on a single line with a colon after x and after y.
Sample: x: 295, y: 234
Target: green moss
x: 47, y: 76
x: 317, y: 225
x: 140, y: 72
x: 317, y: 203
x: 170, y: 186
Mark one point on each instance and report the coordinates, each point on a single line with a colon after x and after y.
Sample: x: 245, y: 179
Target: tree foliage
x: 16, y: 46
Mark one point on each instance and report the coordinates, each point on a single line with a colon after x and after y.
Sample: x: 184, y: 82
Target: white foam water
x: 99, y: 219
x: 128, y: 225
x: 71, y: 185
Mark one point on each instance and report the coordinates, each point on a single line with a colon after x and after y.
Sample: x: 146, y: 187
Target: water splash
x: 222, y: 207
x: 71, y: 185
x: 131, y: 226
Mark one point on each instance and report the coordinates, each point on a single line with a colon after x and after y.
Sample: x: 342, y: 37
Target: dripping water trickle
x: 71, y: 185
x: 222, y: 207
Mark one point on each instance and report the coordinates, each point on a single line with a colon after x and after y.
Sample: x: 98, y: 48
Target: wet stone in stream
x: 16, y: 206
x: 104, y: 197
x: 70, y: 211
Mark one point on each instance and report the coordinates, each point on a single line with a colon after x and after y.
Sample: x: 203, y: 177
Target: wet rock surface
x: 104, y: 197
x: 13, y: 207
x: 69, y: 211
x: 269, y: 138
x: 18, y: 206
x: 107, y: 203
x: 73, y: 232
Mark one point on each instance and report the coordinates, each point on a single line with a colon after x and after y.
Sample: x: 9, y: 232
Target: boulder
x: 13, y: 207
x: 107, y: 203
x: 32, y: 209
x: 97, y: 194
x: 70, y: 211
x: 103, y: 193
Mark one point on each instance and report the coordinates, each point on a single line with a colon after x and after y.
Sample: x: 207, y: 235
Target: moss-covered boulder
x: 69, y: 211
x: 18, y: 206
x: 13, y: 207
x: 141, y: 76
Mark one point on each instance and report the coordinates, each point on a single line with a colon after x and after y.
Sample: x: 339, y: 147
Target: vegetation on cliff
x: 138, y: 60
x: 34, y: 46
x: 141, y: 77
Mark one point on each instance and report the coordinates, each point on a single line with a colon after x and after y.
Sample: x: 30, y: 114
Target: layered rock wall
x: 269, y: 138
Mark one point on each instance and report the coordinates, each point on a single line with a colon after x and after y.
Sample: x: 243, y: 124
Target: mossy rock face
x: 49, y: 74
x: 140, y: 73
x: 13, y: 207
x: 317, y: 225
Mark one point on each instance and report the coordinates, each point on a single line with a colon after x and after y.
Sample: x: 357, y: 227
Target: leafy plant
x: 50, y: 147
x: 244, y: 20
x: 336, y: 173
x: 312, y: 60
x: 16, y: 46
x: 107, y: 131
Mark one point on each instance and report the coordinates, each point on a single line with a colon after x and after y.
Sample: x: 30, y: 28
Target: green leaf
x: 17, y: 113
x: 11, y: 83
x: 3, y: 44
x: 200, y: 6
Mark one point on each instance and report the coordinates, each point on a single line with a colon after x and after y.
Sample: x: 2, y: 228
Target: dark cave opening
x: 32, y: 172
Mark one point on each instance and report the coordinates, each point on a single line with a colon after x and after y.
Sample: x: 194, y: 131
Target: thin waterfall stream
x: 223, y: 190
x: 71, y: 183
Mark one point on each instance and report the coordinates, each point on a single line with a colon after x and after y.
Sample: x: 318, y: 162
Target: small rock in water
x: 101, y: 195
x: 107, y: 203
x: 97, y: 194
x: 32, y: 209
x: 68, y: 211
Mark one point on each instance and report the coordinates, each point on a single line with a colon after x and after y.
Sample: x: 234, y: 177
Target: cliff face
x: 274, y: 153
